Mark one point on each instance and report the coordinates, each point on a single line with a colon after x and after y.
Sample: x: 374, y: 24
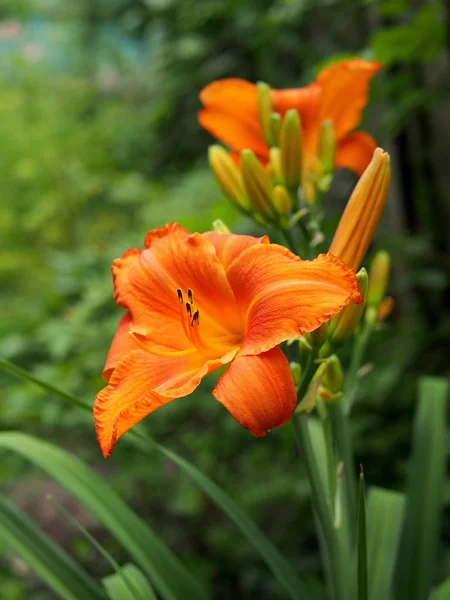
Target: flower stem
x: 351, y: 384
x: 319, y: 499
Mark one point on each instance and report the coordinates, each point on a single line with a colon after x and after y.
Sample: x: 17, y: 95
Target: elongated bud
x: 291, y: 149
x: 265, y: 111
x: 319, y: 336
x: 385, y: 308
x: 363, y: 211
x: 334, y: 375
x: 275, y: 127
x: 257, y: 184
x: 327, y: 146
x: 344, y: 323
x: 220, y: 227
x: 281, y: 200
x: 275, y: 165
x: 378, y: 278
x: 228, y: 176
x: 296, y: 371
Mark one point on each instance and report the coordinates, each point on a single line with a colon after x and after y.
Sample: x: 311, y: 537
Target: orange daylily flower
x: 339, y: 94
x: 197, y: 302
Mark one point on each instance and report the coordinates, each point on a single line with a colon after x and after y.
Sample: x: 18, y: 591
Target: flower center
x: 190, y: 320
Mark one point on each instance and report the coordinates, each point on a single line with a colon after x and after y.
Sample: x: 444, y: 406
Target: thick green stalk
x: 319, y: 498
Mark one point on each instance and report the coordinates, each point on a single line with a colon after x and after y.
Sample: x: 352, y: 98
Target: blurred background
x: 99, y: 144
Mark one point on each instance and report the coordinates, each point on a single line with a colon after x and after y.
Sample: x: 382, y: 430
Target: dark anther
x: 190, y: 296
x: 180, y: 296
x: 195, y: 318
x: 189, y: 309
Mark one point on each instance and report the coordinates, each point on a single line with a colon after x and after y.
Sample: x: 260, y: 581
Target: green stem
x: 331, y: 538
x: 343, y: 439
x: 307, y: 373
x: 351, y: 384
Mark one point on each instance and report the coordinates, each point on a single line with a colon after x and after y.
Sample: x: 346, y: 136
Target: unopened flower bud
x: 275, y: 127
x: 220, y: 227
x: 334, y: 375
x: 265, y: 111
x: 275, y: 165
x: 344, y: 323
x: 291, y: 149
x: 363, y: 211
x: 257, y: 184
x: 385, y: 308
x: 327, y: 146
x: 228, y: 176
x: 296, y: 371
x: 319, y: 336
x: 378, y: 278
x: 281, y: 200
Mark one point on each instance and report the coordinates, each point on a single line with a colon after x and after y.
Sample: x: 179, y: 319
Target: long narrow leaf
x: 385, y: 510
x: 282, y: 570
x: 50, y: 562
x: 442, y: 592
x: 279, y: 566
x: 166, y: 572
x: 420, y: 534
x: 117, y: 589
x: 362, y: 542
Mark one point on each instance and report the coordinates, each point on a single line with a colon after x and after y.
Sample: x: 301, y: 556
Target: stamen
x: 189, y: 310
x: 190, y: 294
x: 180, y: 296
x: 195, y: 318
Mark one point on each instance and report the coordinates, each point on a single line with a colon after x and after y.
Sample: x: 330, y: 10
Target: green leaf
x: 420, y: 40
x: 442, y: 592
x: 166, y: 572
x: 50, y: 562
x: 385, y: 510
x: 280, y: 567
x: 282, y: 570
x: 117, y: 589
x: 420, y: 532
x: 362, y: 542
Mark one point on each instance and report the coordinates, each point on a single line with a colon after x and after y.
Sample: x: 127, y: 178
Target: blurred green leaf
x: 385, y: 511
x: 166, y: 572
x: 420, y: 40
x: 442, y: 592
x: 50, y: 562
x: 362, y: 542
x: 117, y: 588
x: 419, y: 543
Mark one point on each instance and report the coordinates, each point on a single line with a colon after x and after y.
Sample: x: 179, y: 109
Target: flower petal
x: 229, y: 246
x: 258, y: 391
x: 141, y: 383
x: 146, y: 283
x: 283, y: 296
x: 122, y: 344
x: 355, y: 152
x: 344, y: 94
x: 231, y: 115
x: 306, y: 101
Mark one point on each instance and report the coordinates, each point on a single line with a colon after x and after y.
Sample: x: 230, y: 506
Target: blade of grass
x: 117, y: 590
x: 167, y: 573
x: 385, y: 511
x: 276, y: 562
x: 50, y: 562
x: 442, y: 592
x: 362, y: 542
x: 420, y: 533
x: 132, y: 592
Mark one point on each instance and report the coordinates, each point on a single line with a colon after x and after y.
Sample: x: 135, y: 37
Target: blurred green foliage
x: 100, y: 143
